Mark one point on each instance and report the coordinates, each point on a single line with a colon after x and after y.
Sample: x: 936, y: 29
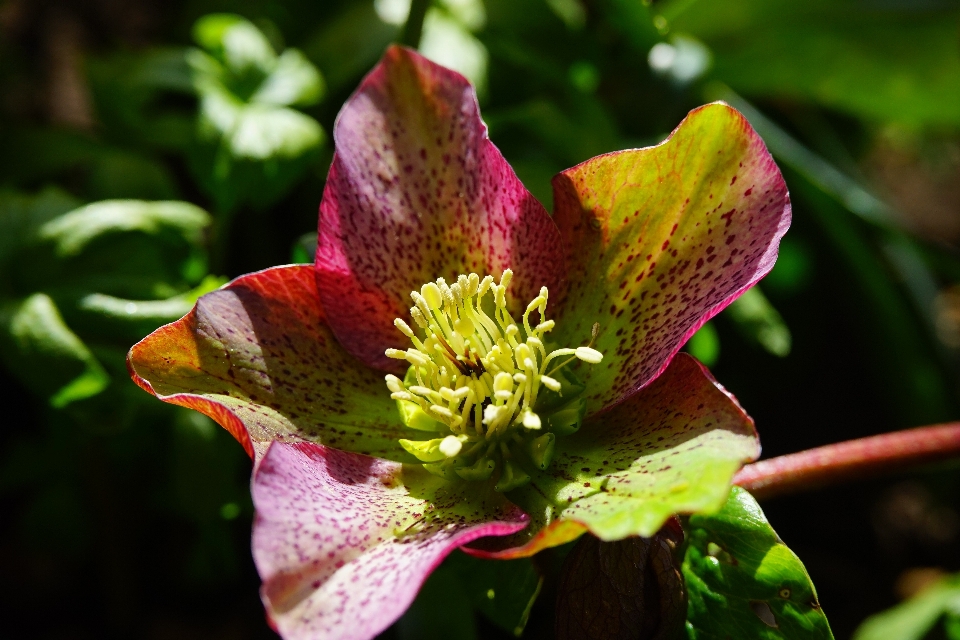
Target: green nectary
x: 487, y: 385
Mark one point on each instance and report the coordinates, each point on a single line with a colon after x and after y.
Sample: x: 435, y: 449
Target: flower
x: 645, y: 245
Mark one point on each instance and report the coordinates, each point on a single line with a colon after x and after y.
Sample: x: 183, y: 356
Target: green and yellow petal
x: 659, y: 240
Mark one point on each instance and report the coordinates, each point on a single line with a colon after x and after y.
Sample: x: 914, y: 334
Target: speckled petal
x: 258, y: 357
x: 659, y: 240
x: 673, y: 447
x: 343, y: 542
x: 417, y: 191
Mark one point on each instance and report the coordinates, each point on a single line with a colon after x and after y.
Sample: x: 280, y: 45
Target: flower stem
x: 850, y: 460
x: 413, y: 29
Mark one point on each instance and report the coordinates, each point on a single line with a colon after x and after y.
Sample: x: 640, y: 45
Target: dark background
x: 123, y: 517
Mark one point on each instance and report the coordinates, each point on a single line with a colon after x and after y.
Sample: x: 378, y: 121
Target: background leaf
x: 913, y: 619
x: 46, y: 355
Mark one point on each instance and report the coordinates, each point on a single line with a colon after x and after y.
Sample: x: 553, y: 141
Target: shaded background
x: 124, y: 517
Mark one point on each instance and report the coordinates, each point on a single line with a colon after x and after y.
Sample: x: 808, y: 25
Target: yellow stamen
x: 474, y: 368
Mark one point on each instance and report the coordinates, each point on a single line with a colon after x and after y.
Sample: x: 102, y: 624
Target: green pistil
x: 484, y: 384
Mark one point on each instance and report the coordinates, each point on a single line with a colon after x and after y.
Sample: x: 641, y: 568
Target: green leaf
x: 131, y: 249
x: 743, y: 582
x: 759, y: 322
x: 349, y: 43
x: 252, y: 147
x: 293, y: 81
x: 22, y: 215
x: 72, y: 232
x: 704, y: 345
x: 885, y: 64
x: 42, y: 351
x: 263, y: 132
x: 502, y: 590
x: 235, y: 41
x: 912, y: 619
x: 442, y: 610
x: 121, y: 319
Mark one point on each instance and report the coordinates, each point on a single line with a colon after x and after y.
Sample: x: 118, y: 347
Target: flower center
x: 487, y: 382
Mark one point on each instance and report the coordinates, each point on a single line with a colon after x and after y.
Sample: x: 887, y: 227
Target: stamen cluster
x: 476, y: 371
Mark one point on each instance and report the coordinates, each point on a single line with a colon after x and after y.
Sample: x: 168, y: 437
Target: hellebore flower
x: 529, y: 406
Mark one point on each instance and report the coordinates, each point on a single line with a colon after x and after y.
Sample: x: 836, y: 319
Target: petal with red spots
x: 417, y: 191
x: 343, y: 542
x: 673, y: 447
x: 258, y: 357
x: 659, y: 240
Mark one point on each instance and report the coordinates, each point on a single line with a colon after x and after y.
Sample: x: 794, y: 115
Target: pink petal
x: 326, y: 537
x: 417, y: 191
x: 659, y: 240
x: 258, y: 357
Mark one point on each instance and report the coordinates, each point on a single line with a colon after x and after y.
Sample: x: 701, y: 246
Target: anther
x: 473, y: 281
x: 530, y: 419
x: 536, y: 302
x: 418, y: 317
x: 414, y: 357
x: 441, y: 411
x: 484, y: 286
x: 503, y: 383
x: 450, y: 446
x: 432, y: 296
x: 404, y: 328
x: 550, y: 383
x: 421, y: 303
x: 394, y: 383
x: 464, y: 326
x: 588, y: 355
x: 543, y: 327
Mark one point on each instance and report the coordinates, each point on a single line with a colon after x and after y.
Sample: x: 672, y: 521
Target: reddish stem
x: 850, y: 460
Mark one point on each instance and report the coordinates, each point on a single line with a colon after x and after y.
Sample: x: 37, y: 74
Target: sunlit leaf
x: 235, y: 41
x: 293, y: 81
x: 104, y: 316
x: 743, y: 582
x: 72, y: 232
x: 251, y: 145
x: 263, y: 132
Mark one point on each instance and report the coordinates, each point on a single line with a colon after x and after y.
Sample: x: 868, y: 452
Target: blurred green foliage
x: 936, y: 605
x: 123, y: 125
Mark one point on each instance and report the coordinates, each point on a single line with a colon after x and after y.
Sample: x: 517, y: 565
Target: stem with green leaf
x: 851, y: 460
